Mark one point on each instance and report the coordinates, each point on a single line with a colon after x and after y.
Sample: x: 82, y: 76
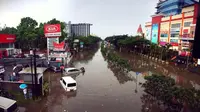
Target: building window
x: 187, y: 24
x: 164, y: 35
x: 174, y: 35
x: 177, y: 25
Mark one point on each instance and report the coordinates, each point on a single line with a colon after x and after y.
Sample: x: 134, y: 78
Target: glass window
x: 177, y: 25
x: 71, y: 85
x: 174, y: 35
x: 64, y: 82
x: 164, y: 35
x: 187, y: 24
x: 174, y: 40
x: 12, y: 108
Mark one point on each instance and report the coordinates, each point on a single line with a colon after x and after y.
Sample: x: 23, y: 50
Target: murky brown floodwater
x: 103, y: 89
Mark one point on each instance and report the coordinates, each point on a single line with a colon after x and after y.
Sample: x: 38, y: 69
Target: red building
x: 177, y: 30
x: 7, y: 46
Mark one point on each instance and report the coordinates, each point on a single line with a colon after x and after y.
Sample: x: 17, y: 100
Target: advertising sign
x: 154, y: 36
x: 7, y: 38
x: 58, y: 46
x: 52, y: 30
x: 163, y: 43
x: 148, y: 33
x: 50, y: 42
x: 174, y: 42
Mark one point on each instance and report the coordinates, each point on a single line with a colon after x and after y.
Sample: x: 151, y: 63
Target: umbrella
x: 23, y: 86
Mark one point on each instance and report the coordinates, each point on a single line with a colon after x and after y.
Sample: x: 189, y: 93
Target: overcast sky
x: 109, y: 17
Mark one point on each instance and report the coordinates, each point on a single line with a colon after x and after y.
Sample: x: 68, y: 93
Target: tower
x: 139, y: 31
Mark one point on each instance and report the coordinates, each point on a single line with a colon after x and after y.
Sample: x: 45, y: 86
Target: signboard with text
x: 52, y: 30
x: 7, y: 38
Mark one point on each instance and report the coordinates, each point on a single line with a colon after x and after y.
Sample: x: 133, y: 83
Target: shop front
x: 7, y: 46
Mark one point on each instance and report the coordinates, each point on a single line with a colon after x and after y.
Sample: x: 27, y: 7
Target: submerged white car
x: 68, y: 83
x: 69, y: 71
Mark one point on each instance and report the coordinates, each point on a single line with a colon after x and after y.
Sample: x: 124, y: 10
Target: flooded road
x: 103, y: 89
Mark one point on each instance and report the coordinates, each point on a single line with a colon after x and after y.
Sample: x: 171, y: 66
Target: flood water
x: 103, y: 89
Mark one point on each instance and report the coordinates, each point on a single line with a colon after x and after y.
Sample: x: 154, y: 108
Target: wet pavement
x: 102, y: 88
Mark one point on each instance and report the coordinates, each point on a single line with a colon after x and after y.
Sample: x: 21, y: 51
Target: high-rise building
x: 172, y: 7
x: 80, y: 29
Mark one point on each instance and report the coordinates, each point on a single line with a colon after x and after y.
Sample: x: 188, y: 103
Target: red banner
x: 174, y: 43
x: 6, y: 38
x: 59, y: 45
x: 52, y: 30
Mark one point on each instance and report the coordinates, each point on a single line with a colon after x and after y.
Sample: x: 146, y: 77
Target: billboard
x: 7, y: 38
x: 148, y: 33
x: 154, y: 35
x: 52, y: 30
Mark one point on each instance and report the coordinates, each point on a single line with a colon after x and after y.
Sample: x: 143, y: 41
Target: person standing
x: 25, y: 93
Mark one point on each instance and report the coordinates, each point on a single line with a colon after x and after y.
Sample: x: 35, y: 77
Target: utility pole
x: 31, y: 55
x: 35, y: 72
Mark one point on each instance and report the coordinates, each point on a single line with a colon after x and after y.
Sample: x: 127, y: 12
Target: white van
x: 68, y: 83
x: 8, y: 105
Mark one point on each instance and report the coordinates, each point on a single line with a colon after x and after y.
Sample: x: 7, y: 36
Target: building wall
x: 175, y: 29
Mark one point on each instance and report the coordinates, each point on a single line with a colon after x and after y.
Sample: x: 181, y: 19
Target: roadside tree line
x: 114, y: 59
x: 89, y: 42
x: 29, y: 33
x: 168, y: 94
x: 138, y: 44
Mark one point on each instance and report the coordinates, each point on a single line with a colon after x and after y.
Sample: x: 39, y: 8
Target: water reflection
x: 150, y: 104
x: 86, y: 56
x: 74, y: 76
x: 121, y: 76
x: 70, y: 94
x: 180, y: 75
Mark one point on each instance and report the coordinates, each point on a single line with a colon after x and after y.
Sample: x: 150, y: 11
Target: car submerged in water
x: 71, y: 70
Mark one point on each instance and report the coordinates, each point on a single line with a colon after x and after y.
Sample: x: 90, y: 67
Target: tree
x: 26, y: 32
x: 41, y: 40
x: 9, y: 30
x: 63, y: 26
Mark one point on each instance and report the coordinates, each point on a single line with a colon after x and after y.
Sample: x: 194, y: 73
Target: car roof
x: 68, y: 79
x: 6, y: 103
x: 70, y: 68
